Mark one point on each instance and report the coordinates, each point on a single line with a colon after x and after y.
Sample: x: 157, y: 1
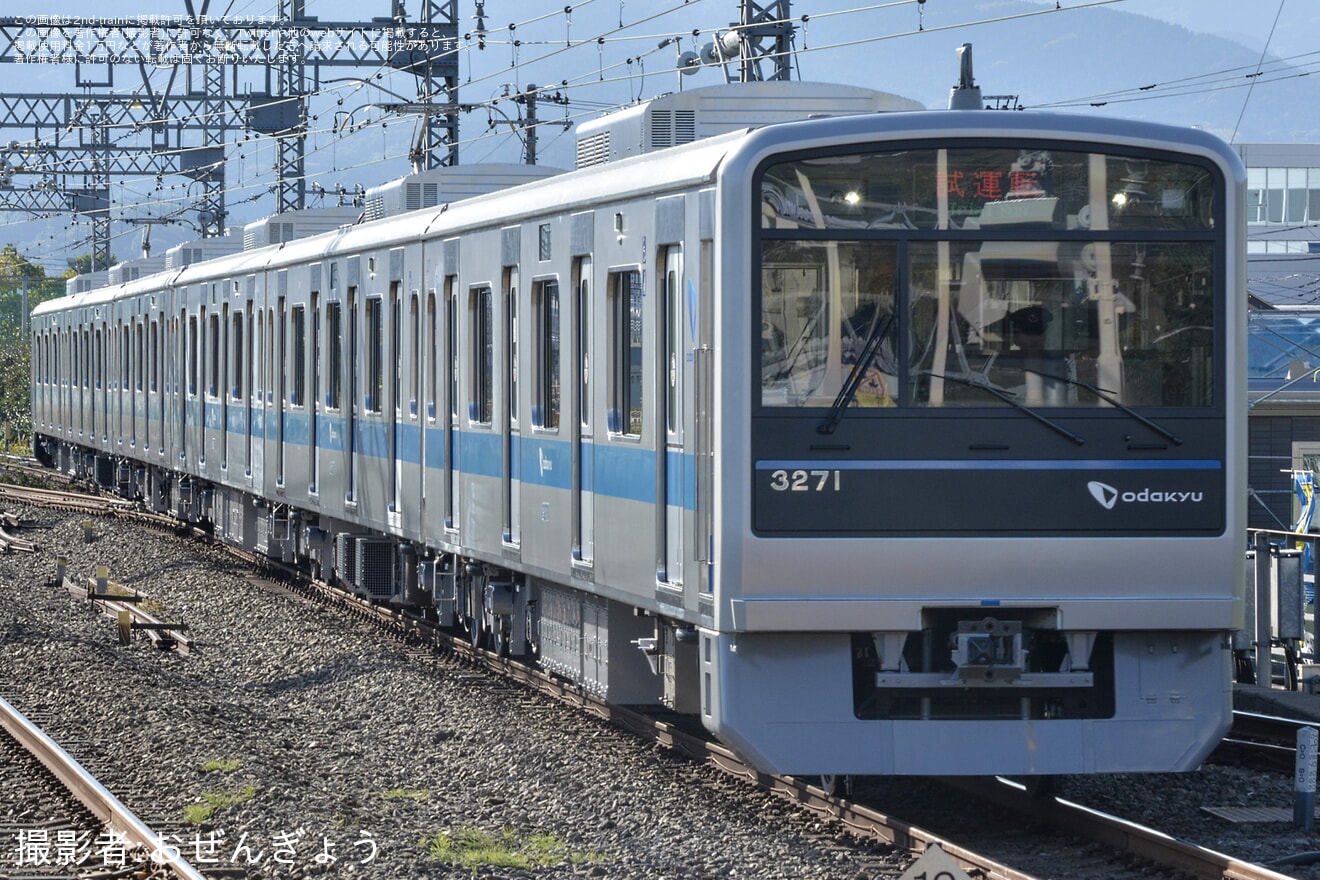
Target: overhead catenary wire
x: 1264, y: 50
x: 612, y: 35
x: 589, y: 75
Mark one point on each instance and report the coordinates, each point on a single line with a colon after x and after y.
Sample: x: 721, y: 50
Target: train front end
x: 980, y: 446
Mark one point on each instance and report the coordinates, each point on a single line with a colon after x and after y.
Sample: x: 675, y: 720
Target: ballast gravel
x: 323, y: 748
x: 294, y: 743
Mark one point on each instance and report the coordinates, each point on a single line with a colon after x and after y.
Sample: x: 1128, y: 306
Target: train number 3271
x: 804, y: 481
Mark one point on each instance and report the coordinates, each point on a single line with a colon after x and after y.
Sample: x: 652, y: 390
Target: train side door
x: 670, y: 473
x: 257, y: 395
x: 701, y: 323
x: 453, y: 399
x: 281, y: 372
x: 314, y: 392
x: 392, y: 406
x: 241, y: 381
x: 580, y: 420
x: 222, y: 386
x: 351, y: 367
x: 511, y: 475
x: 189, y: 354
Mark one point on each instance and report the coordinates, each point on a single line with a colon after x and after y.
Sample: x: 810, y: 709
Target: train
x: 880, y: 440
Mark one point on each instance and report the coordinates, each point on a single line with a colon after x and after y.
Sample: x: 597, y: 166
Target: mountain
x: 1067, y: 59
x: 1073, y: 57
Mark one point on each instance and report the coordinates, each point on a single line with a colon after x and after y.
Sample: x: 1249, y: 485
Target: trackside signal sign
x: 934, y: 864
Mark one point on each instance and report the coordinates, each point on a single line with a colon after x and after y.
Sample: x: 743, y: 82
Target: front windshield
x: 1042, y: 320
x: 820, y: 302
x: 1037, y: 274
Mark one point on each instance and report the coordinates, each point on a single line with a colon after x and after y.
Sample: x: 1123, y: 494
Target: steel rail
x: 1120, y: 834
x: 9, y: 542
x: 1257, y: 740
x: 862, y: 821
x: 1271, y: 728
x: 95, y: 797
x: 162, y: 634
x: 68, y: 500
x: 1145, y: 843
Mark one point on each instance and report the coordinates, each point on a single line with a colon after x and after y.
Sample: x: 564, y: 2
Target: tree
x: 14, y: 266
x: 82, y: 264
x: 15, y: 358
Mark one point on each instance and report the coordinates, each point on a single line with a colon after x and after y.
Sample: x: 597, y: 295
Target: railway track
x: 114, y: 829
x: 1130, y: 838
x: 127, y: 609
x: 865, y: 822
x: 65, y: 499
x: 862, y: 821
x: 10, y: 543
x: 1265, y: 742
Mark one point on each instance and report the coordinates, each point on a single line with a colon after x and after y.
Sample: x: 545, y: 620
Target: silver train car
x: 890, y: 443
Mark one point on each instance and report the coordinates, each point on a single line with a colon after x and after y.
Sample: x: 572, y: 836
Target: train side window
x: 625, y: 348
x: 202, y: 375
x: 335, y: 355
x: 511, y: 298
x: 481, y: 405
x: 396, y: 346
x: 139, y: 350
x: 213, y: 375
x: 451, y: 343
x: 258, y: 361
x: 671, y: 331
x: 545, y: 308
x: 236, y: 358
x: 415, y: 356
x: 298, y: 361
x: 375, y: 378
x: 432, y: 355
x: 583, y: 354
x: 192, y: 354
x: 280, y: 355
x: 123, y: 356
x: 314, y: 365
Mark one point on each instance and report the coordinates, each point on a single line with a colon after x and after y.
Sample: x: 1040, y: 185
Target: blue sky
x: 609, y: 54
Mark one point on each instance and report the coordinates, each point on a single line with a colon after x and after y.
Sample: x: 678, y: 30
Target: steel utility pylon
x: 767, y: 36
x: 206, y: 53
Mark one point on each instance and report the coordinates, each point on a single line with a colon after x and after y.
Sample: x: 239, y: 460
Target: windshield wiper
x: 1114, y: 402
x: 1008, y: 399
x: 855, y: 377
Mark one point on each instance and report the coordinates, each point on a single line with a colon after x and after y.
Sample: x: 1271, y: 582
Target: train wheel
x: 836, y: 784
x: 475, y: 634
x: 499, y: 637
x: 1041, y: 788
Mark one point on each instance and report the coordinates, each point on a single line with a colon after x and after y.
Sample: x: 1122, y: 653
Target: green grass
x: 473, y: 849
x: 222, y: 765
x: 410, y: 794
x: 196, y: 814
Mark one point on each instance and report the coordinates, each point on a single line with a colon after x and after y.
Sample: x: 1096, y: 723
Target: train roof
x: 696, y: 114
x: 944, y: 125
x: 682, y: 167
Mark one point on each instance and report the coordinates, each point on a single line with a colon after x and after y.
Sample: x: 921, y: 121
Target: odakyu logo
x: 1107, y: 496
